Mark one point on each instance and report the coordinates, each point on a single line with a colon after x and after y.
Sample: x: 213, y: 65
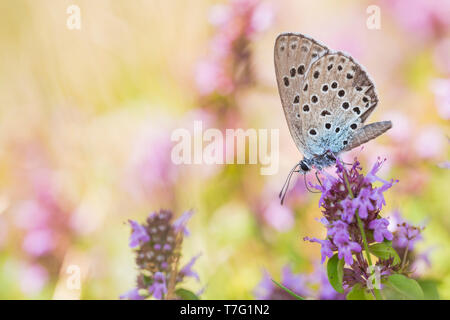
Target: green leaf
x: 400, y: 287
x: 186, y: 294
x: 359, y: 293
x: 429, y: 288
x: 292, y: 293
x: 384, y: 251
x: 335, y: 271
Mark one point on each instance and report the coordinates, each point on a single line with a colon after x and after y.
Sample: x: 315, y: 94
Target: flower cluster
x: 158, y: 245
x: 44, y: 220
x: 226, y: 65
x: 406, y: 237
x: 352, y: 203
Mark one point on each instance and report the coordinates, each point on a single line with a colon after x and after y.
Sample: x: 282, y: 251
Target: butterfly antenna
x: 284, y: 190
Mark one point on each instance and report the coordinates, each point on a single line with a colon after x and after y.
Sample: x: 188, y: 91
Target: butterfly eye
x: 345, y: 105
x: 314, y: 99
x: 304, y: 166
x: 312, y: 132
x: 329, y: 67
x: 356, y: 110
x: 316, y: 74
x: 334, y: 85
x: 358, y: 88
x: 345, y: 142
x: 339, y: 67
x: 328, y: 125
x: 305, y: 87
x: 341, y: 93
x: 297, y: 99
x: 286, y: 81
x: 325, y: 88
x: 306, y: 108
x: 337, y: 130
x: 365, y: 99
x: 349, y: 76
x: 354, y: 126
x: 297, y: 115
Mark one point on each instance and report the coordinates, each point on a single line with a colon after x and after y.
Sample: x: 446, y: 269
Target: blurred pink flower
x: 442, y: 54
x: 423, y: 18
x: 219, y: 15
x: 235, y: 23
x: 38, y: 242
x: 210, y: 76
x: 441, y: 90
x: 33, y: 279
x: 401, y: 130
x: 150, y: 171
x: 261, y: 18
x: 32, y: 214
x: 430, y: 142
x: 279, y: 217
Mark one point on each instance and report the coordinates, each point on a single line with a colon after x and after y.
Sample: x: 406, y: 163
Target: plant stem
x: 363, y: 234
x: 376, y: 293
x: 405, y: 255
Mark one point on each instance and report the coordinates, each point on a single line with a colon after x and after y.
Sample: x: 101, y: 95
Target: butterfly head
x: 304, y: 166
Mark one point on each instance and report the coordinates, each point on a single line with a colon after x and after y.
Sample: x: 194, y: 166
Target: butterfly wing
x: 367, y: 133
x: 294, y: 54
x: 339, y: 97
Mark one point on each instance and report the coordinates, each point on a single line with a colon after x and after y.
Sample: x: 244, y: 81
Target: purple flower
x: 39, y: 242
x: 187, y: 271
x: 379, y: 197
x: 133, y: 294
x: 345, y: 247
x: 267, y: 290
x: 406, y: 236
x: 337, y: 226
x: 278, y: 216
x: 295, y: 282
x: 326, y: 188
x: 444, y: 165
x: 138, y: 234
x: 363, y: 202
x: 325, y: 291
x: 380, y: 231
x: 158, y: 243
x: 180, y: 223
x: 349, y: 210
x: 327, y: 247
x: 371, y: 177
x: 158, y: 289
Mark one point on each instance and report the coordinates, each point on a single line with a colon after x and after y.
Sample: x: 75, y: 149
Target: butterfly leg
x: 306, y: 185
x: 318, y: 179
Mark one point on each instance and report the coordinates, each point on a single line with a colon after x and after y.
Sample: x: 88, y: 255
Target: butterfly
x: 326, y: 97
